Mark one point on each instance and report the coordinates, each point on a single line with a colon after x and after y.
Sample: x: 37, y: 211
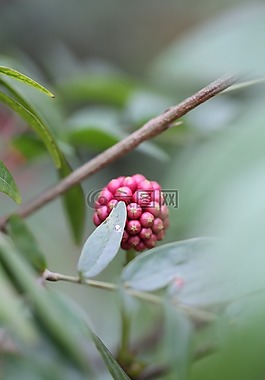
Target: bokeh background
x: 113, y: 65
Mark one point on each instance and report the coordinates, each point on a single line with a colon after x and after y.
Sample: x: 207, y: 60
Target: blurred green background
x: 113, y: 65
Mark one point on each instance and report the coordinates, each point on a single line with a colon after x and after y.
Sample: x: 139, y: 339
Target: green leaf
x: 26, y: 243
x: 174, y: 260
x: 8, y: 185
x: 11, y: 312
x: 74, y: 203
x: 23, y: 78
x: 39, y: 127
x: 46, y: 311
x: 29, y: 145
x: 114, y: 368
x: 103, y: 244
x: 177, y: 342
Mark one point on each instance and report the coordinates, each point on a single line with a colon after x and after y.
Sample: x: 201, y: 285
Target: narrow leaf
x: 36, y: 124
x: 46, y: 311
x: 8, y: 185
x: 25, y: 243
x: 23, y: 78
x: 103, y: 244
x: 74, y: 203
x: 114, y: 368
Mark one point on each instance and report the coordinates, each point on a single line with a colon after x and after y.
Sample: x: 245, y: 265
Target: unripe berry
x: 166, y: 223
x: 134, y: 211
x: 145, y: 185
x: 113, y: 185
x: 123, y: 194
x: 164, y: 212
x: 154, y: 208
x: 103, y: 213
x: 157, y: 225
x: 151, y: 242
x: 113, y: 203
x: 125, y: 236
x: 145, y: 233
x: 133, y: 227
x: 142, y: 197
x: 131, y: 183
x: 134, y: 240
x: 160, y: 235
x: 157, y: 196
x: 138, y: 178
x: 147, y: 215
x: 96, y: 219
x: 147, y: 219
x: 140, y: 247
x: 155, y: 185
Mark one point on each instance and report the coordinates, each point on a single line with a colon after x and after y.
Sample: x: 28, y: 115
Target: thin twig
x: 151, y: 129
x: 193, y: 312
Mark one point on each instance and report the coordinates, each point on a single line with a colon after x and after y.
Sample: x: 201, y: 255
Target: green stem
x: 196, y: 313
x: 125, y: 334
x: 130, y: 255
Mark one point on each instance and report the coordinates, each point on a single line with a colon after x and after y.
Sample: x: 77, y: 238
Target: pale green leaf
x: 103, y: 244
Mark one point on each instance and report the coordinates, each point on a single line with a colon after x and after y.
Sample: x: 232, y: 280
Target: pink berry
x: 134, y: 211
x: 166, y: 223
x: 113, y: 203
x: 134, y: 240
x: 104, y: 197
x: 103, y: 213
x: 145, y: 185
x: 113, y: 185
x: 133, y: 227
x: 126, y: 246
x: 142, y: 197
x: 140, y: 247
x: 96, y: 219
x: 151, y: 242
x: 157, y: 196
x: 123, y: 194
x: 160, y: 235
x: 147, y: 219
x: 125, y: 236
x: 155, y: 185
x: 138, y: 178
x: 154, y: 208
x: 145, y: 233
x: 131, y: 183
x: 164, y: 212
x: 157, y: 225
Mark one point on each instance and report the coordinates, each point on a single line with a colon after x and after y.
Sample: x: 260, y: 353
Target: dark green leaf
x: 74, y: 203
x: 176, y: 261
x: 103, y: 244
x: 23, y: 78
x: 36, y: 124
x: 8, y: 185
x: 114, y: 368
x: 26, y: 243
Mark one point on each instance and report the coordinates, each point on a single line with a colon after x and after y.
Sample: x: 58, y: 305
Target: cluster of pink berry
x: 147, y: 215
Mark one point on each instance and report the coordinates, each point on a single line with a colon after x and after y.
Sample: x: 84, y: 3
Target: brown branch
x: 151, y: 129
